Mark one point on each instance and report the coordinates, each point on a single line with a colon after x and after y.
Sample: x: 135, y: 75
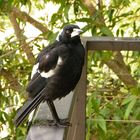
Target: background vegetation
x: 26, y: 27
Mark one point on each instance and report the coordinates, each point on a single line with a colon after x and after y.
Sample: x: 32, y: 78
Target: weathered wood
x: 112, y: 43
x: 78, y: 118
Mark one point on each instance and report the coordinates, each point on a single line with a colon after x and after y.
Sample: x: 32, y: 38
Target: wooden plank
x: 77, y: 131
x: 78, y: 117
x: 112, y: 43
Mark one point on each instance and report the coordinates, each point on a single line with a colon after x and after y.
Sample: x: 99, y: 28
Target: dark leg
x: 56, y: 121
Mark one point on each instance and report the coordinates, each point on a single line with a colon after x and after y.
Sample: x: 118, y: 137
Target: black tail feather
x: 29, y: 106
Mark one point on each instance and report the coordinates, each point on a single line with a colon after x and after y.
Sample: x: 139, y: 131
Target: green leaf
x: 128, y: 100
x: 88, y: 20
x: 125, y: 25
x: 89, y: 126
x: 90, y: 107
x: 21, y: 138
x: 101, y: 123
x: 106, y: 31
x: 1, y: 2
x: 66, y: 11
x: 122, y: 32
x: 110, y: 14
x: 135, y: 90
x: 106, y: 55
x: 134, y: 132
x: 126, y: 14
x: 117, y: 32
x: 94, y: 30
x: 129, y: 108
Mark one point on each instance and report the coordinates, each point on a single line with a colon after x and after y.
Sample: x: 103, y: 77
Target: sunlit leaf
x: 106, y: 31
x: 102, y: 123
x: 129, y: 108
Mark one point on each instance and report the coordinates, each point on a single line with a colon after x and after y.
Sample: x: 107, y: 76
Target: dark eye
x: 68, y: 31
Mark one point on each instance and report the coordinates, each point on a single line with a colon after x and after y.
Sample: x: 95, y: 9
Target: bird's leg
x: 56, y: 121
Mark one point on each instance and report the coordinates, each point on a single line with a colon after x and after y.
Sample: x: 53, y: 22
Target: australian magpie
x: 55, y: 74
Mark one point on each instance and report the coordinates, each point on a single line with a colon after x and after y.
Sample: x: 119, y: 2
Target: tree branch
x: 119, y: 67
x: 21, y: 38
x: 90, y: 6
x: 26, y: 18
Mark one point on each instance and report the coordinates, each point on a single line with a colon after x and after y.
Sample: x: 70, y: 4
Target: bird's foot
x: 60, y: 123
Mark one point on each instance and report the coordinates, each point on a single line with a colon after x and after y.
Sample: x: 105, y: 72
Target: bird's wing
x: 46, y: 68
x: 47, y: 50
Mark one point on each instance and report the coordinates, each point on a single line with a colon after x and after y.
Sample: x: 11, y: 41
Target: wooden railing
x: 74, y: 104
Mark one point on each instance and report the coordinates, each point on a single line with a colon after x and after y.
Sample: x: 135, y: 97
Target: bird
x: 55, y: 74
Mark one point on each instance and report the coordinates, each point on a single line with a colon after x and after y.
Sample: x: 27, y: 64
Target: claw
x: 61, y: 123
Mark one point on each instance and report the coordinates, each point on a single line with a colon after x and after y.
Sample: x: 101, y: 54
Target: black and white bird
x: 55, y: 74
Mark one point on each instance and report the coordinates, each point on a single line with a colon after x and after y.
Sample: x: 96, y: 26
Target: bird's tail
x: 29, y: 106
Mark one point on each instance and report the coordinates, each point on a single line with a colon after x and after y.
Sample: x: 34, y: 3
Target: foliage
x: 107, y: 100
x: 112, y: 108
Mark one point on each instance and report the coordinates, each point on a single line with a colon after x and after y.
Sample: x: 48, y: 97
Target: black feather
x: 29, y: 106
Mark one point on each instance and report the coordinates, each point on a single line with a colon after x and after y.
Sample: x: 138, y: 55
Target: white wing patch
x: 59, y: 61
x: 34, y: 70
x: 47, y: 74
x: 51, y: 72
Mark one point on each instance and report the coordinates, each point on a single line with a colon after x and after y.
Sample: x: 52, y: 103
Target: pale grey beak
x: 76, y: 32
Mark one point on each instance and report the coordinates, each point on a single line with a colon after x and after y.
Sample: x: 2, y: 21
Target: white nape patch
x: 34, y: 70
x: 76, y: 32
x: 57, y: 38
x: 51, y: 72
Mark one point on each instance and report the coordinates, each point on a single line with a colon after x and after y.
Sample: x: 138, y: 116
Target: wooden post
x: 78, y: 117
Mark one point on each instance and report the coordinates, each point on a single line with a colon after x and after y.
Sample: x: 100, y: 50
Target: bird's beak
x: 76, y: 32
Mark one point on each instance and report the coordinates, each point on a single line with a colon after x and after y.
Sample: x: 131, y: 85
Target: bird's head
x: 69, y: 33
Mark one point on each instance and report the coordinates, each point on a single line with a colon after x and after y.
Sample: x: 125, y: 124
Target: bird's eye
x: 68, y: 31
